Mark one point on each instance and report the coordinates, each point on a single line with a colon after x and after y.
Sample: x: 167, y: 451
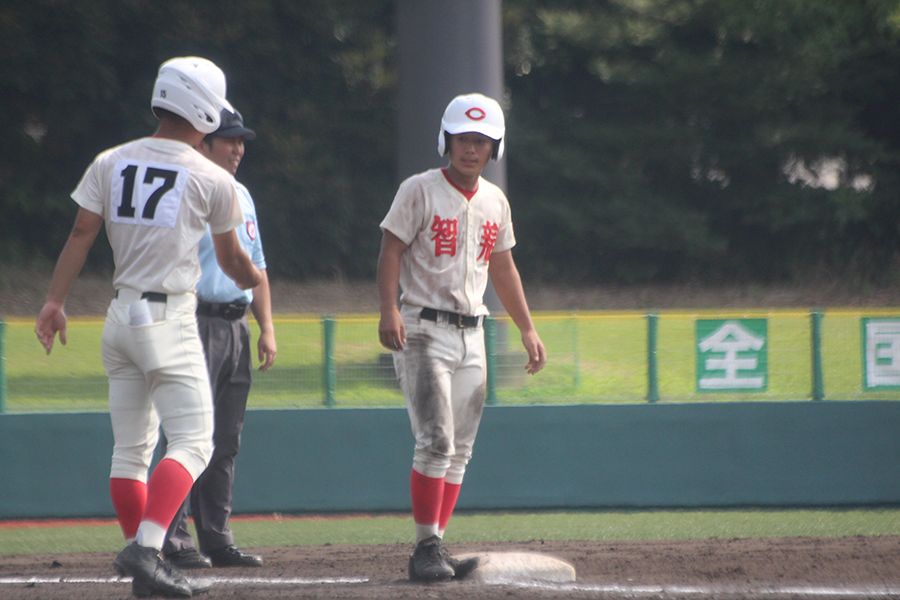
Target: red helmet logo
x: 476, y: 114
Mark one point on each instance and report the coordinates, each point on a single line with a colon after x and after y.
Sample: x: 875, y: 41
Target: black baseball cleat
x: 188, y: 558
x: 229, y: 556
x: 461, y: 568
x: 428, y: 563
x: 197, y: 586
x: 152, y: 575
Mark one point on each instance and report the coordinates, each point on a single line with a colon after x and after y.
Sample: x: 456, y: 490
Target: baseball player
x: 225, y: 333
x: 155, y: 197
x: 445, y: 233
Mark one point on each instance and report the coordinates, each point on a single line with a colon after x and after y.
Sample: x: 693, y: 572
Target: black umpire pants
x: 226, y: 344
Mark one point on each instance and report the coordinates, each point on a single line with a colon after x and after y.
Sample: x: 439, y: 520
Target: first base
x: 507, y: 567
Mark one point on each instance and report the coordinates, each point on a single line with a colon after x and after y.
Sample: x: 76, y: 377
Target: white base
x: 510, y: 567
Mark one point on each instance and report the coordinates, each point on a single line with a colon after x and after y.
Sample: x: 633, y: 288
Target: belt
x: 151, y: 296
x: 455, y: 319
x: 230, y: 311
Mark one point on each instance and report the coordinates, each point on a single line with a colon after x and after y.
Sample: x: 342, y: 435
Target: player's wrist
x: 54, y: 304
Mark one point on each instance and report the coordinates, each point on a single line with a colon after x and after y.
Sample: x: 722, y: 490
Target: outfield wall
x: 526, y: 457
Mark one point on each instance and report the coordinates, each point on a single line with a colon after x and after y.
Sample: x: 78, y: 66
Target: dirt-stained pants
x: 442, y: 373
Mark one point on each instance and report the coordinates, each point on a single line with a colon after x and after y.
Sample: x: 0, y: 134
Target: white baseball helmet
x: 193, y: 88
x: 473, y: 112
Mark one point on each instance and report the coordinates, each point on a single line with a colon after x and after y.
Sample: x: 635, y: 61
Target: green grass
x: 596, y: 357
x: 491, y: 527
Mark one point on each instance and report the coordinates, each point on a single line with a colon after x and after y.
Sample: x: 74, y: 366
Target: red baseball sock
x: 451, y: 493
x: 168, y: 487
x: 427, y: 493
x: 129, y: 497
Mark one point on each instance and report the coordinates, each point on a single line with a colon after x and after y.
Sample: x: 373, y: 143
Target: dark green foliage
x: 656, y: 140
x: 313, y: 78
x: 664, y: 140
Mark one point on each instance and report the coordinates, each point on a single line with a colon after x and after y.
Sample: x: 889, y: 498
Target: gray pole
x: 444, y: 49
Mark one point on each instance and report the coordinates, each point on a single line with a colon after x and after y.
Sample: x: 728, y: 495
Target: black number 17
x: 126, y: 209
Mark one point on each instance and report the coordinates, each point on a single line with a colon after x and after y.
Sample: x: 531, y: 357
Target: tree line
x: 672, y: 140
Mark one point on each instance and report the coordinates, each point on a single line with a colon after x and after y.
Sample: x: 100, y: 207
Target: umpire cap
x: 233, y: 126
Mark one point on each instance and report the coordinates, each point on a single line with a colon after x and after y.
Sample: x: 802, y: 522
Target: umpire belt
x: 451, y: 318
x: 230, y: 311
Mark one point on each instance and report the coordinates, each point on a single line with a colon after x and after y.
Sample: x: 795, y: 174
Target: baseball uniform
x: 156, y: 197
x: 445, y: 233
x: 445, y: 271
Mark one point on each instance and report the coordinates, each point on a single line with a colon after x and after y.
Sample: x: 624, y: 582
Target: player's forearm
x: 387, y: 291
x: 508, y: 285
x: 234, y: 262
x: 66, y: 272
x: 71, y: 259
x: 512, y: 296
x: 262, y: 304
x: 388, y: 273
x: 242, y: 270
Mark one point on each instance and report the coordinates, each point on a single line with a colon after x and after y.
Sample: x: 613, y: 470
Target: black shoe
x: 461, y: 568
x: 197, y: 586
x: 427, y: 562
x: 188, y: 558
x: 229, y: 556
x: 152, y: 574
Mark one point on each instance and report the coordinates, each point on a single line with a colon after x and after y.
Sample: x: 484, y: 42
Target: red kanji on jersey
x: 444, y: 236
x: 488, y: 240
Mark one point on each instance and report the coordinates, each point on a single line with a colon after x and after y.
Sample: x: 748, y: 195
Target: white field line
x: 622, y: 591
x: 641, y: 591
x: 229, y: 580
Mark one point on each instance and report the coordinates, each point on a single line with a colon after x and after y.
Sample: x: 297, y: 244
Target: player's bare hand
x: 267, y: 350
x: 51, y: 320
x: 537, y: 354
x: 392, y: 331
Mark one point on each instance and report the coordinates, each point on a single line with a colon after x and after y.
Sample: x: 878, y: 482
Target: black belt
x: 151, y: 296
x: 227, y: 310
x: 455, y: 319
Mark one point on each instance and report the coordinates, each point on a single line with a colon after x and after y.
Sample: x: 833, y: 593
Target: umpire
x: 225, y: 332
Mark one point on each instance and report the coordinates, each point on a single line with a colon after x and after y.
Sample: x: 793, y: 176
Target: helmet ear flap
x: 443, y: 143
x: 499, y: 145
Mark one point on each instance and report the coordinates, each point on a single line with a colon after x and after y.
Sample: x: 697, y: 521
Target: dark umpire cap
x: 233, y: 126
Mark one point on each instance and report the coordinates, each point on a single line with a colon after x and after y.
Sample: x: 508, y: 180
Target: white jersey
x: 450, y: 241
x: 156, y: 197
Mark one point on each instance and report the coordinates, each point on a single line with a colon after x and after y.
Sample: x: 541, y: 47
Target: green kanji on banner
x: 881, y: 353
x: 732, y: 355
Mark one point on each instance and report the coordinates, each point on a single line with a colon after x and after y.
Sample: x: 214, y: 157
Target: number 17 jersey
x: 156, y: 197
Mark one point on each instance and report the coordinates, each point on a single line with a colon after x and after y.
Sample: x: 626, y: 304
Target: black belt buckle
x: 151, y: 296
x: 457, y: 320
x: 230, y: 311
x: 154, y: 297
x: 233, y: 311
x: 468, y: 322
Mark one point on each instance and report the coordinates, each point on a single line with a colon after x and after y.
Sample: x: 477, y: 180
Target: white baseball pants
x: 157, y: 375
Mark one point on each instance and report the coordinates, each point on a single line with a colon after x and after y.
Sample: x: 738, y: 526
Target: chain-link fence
x: 594, y: 357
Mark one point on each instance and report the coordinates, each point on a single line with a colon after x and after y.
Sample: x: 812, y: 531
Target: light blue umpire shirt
x: 214, y: 285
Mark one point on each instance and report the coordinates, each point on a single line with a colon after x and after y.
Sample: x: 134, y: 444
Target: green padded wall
x: 526, y: 457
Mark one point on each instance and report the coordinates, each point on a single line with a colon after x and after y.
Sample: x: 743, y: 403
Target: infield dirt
x: 855, y: 567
